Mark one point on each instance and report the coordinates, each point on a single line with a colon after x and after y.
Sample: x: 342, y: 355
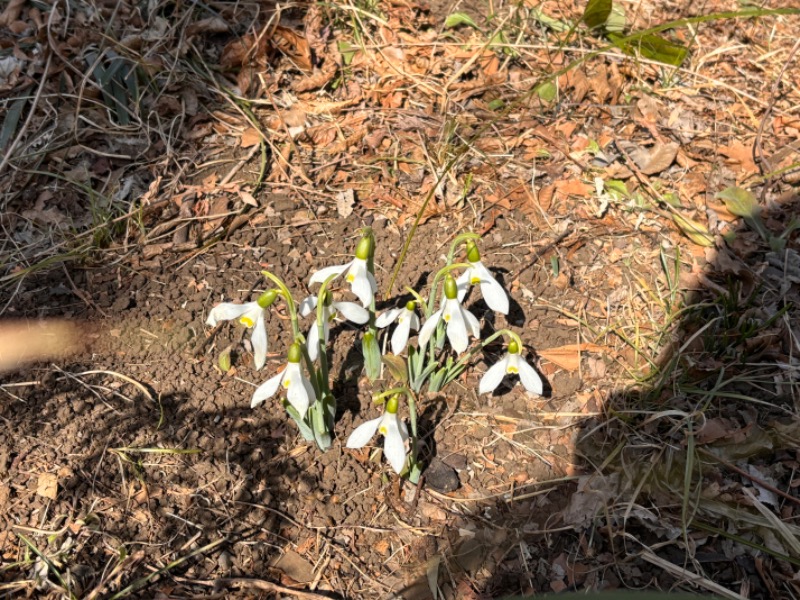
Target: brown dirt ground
x: 257, y: 512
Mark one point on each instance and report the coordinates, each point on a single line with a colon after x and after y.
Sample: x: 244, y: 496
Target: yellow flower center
x: 446, y: 318
x: 475, y: 280
x: 350, y: 278
x: 246, y: 321
x: 382, y: 430
x: 511, y: 369
x: 286, y: 383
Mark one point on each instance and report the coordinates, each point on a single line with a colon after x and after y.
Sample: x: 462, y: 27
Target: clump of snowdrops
x: 448, y: 336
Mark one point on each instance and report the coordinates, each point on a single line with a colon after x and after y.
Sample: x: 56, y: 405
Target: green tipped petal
x: 473, y: 254
x: 450, y: 287
x: 365, y: 248
x: 393, y: 404
x: 295, y: 353
x: 267, y: 299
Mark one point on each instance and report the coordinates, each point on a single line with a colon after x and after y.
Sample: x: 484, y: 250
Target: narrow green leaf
x: 697, y: 232
x: 554, y: 24
x: 372, y: 356
x: 459, y: 18
x: 652, y: 47
x: 597, y: 13
x: 11, y: 121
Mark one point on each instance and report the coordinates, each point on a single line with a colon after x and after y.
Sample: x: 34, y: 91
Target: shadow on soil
x: 92, y: 481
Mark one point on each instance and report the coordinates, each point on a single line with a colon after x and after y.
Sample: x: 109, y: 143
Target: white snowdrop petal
x: 308, y: 304
x: 493, y: 376
x: 362, y: 289
x: 363, y: 433
x: 259, y: 341
x: 493, y: 294
x: 530, y: 378
x: 388, y: 317
x: 312, y: 342
x: 352, y: 312
x: 463, y: 284
x: 400, y: 336
x: 393, y: 445
x: 414, y: 321
x: 457, y: 328
x: 473, y: 326
x: 429, y: 327
x: 321, y: 275
x: 297, y: 393
x: 227, y: 311
x: 267, y: 389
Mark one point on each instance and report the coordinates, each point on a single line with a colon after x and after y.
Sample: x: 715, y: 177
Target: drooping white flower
x: 361, y: 281
x: 349, y: 310
x: 493, y: 293
x: 393, y: 430
x: 461, y: 324
x: 251, y: 315
x: 406, y: 320
x: 299, y: 391
x: 511, y: 364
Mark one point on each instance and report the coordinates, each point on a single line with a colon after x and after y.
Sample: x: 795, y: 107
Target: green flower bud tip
x: 473, y: 254
x: 295, y: 353
x: 450, y: 287
x: 411, y: 305
x: 225, y: 360
x: 513, y: 347
x: 267, y: 299
x: 368, y: 338
x: 393, y: 404
x: 365, y: 248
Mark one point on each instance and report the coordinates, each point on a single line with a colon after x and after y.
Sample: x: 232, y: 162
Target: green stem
x: 460, y: 239
x: 287, y: 296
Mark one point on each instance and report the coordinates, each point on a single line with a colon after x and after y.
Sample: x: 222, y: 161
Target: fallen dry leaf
x: 569, y: 357
x: 739, y: 154
x: 47, y: 485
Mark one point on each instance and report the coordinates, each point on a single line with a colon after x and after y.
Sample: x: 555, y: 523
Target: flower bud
x: 450, y: 287
x: 473, y: 254
x: 393, y: 404
x: 368, y: 338
x: 295, y: 353
x: 411, y: 305
x: 267, y: 299
x: 513, y: 347
x: 365, y: 248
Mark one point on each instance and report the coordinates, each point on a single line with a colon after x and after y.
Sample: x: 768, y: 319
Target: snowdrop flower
x: 394, y: 433
x: 251, y: 315
x: 460, y: 322
x: 299, y: 391
x: 511, y: 363
x: 406, y: 319
x: 361, y: 281
x: 493, y: 293
x: 350, y: 311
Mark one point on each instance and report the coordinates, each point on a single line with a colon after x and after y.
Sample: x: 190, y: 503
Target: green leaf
x: 495, y: 104
x: 372, y: 356
x: 397, y: 367
x: 11, y: 121
x: 739, y: 201
x: 616, y: 19
x: 554, y: 24
x: 347, y: 51
x: 697, y: 232
x: 597, y: 13
x: 547, y: 91
x: 459, y: 18
x: 652, y: 47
